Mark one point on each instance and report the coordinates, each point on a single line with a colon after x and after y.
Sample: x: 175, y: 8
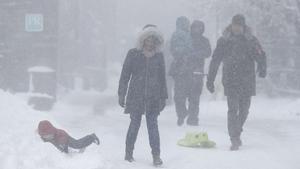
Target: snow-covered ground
x: 271, y: 137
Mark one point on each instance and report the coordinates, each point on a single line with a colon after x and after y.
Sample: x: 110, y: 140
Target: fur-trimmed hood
x: 149, y: 32
x: 227, y: 34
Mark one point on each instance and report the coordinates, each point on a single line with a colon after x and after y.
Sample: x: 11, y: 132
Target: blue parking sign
x: 34, y: 22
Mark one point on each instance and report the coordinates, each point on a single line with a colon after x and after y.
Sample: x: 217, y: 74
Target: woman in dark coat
x: 143, y: 89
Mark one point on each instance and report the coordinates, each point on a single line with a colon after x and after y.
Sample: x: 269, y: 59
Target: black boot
x: 96, y: 139
x: 239, y: 142
x: 192, y: 122
x: 235, y: 145
x: 129, y: 157
x: 157, y: 161
x: 180, y: 121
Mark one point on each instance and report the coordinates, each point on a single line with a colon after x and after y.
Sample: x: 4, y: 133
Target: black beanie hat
x: 198, y: 25
x: 239, y: 19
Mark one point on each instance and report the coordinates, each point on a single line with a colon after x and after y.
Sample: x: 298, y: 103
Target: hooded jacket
x: 180, y: 47
x: 61, y: 138
x: 143, y: 81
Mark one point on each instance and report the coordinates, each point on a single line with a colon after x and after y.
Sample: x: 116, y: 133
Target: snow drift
x: 21, y: 147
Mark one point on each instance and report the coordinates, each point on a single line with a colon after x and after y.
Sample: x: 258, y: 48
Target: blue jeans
x: 153, y: 132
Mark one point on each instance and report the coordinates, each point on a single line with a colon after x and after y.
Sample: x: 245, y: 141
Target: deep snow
x: 271, y: 137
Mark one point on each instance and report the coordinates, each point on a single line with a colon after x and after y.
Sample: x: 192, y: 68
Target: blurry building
x: 29, y: 36
x: 45, y: 44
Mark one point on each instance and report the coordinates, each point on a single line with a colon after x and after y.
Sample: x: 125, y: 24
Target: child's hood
x: 46, y: 128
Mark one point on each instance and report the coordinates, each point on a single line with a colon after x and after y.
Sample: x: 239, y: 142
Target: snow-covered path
x: 271, y: 137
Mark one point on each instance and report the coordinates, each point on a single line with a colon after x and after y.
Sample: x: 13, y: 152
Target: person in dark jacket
x: 189, y: 49
x: 62, y: 140
x: 201, y: 50
x: 180, y: 48
x: 238, y: 49
x: 143, y: 89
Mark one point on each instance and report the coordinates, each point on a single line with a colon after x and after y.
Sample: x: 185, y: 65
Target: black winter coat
x: 180, y: 48
x: 201, y: 50
x: 143, y: 82
x: 238, y: 55
x: 191, y: 67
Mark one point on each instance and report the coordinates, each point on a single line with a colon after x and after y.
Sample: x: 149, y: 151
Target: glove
x: 96, y: 139
x: 122, y: 101
x: 262, y: 73
x: 262, y: 70
x: 62, y: 147
x: 162, y: 105
x: 210, y: 87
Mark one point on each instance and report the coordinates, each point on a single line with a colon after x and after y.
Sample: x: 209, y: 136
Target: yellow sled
x: 196, y: 140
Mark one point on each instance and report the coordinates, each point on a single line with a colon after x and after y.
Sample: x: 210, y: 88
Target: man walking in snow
x: 189, y: 49
x: 238, y: 49
x: 143, y: 89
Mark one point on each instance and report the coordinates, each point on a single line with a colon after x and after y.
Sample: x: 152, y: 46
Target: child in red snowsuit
x: 61, y: 140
